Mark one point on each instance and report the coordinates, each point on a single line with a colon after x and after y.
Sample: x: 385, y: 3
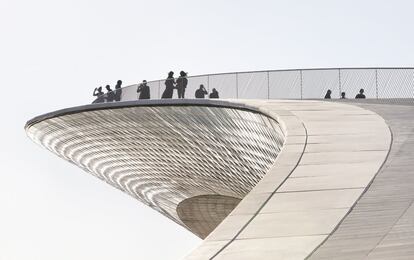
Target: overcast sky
x: 54, y: 53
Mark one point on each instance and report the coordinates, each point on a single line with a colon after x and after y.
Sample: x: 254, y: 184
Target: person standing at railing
x: 328, y: 94
x: 201, y: 92
x: 143, y: 90
x: 214, y: 93
x: 182, y: 84
x: 169, y: 86
x: 343, y: 95
x: 361, y: 94
x: 97, y: 92
x: 118, y: 90
x: 110, y: 95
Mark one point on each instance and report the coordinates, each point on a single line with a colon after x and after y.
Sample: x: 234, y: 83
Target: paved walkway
x: 331, y: 154
x: 381, y: 225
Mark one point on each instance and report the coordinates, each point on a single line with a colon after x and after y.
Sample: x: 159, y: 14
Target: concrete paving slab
x: 271, y: 248
x: 340, y: 170
x: 283, y: 224
x: 312, y: 200
x: 228, y: 228
x: 206, y: 250
x: 327, y: 182
x: 343, y: 157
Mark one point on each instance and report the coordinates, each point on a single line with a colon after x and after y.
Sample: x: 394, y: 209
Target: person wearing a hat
x: 143, y: 90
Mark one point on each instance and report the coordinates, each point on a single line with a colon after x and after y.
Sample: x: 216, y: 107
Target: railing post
x: 412, y: 85
x: 159, y: 89
x: 376, y: 83
x: 268, y: 86
x: 301, y: 84
x: 208, y: 83
x: 237, y: 85
x: 339, y: 81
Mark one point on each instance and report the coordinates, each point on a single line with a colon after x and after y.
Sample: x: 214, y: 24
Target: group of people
x: 180, y: 85
x: 110, y: 95
x: 143, y: 90
x: 201, y: 92
x: 343, y: 94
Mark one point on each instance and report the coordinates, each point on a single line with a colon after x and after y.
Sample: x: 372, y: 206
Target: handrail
x: 308, y: 84
x: 283, y: 70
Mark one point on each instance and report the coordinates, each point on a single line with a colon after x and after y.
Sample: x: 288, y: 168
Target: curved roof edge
x: 145, y: 103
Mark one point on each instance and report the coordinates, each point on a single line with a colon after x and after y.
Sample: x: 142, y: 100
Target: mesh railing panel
x: 226, y: 84
x: 378, y: 83
x: 129, y: 93
x: 194, y: 84
x: 284, y: 84
x: 393, y: 83
x: 253, y: 85
x: 317, y: 82
x: 352, y: 80
x: 155, y: 88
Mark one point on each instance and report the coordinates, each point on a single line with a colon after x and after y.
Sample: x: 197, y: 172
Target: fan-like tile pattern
x: 163, y: 155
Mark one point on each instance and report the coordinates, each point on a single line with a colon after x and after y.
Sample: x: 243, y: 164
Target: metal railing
x: 378, y: 83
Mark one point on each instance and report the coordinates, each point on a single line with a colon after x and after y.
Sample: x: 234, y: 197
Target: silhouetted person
x: 181, y: 84
x: 343, y: 95
x: 214, y: 93
x: 328, y: 94
x: 110, y: 95
x: 118, y: 90
x: 143, y: 90
x: 97, y: 92
x: 201, y: 92
x: 169, y: 86
x: 361, y: 94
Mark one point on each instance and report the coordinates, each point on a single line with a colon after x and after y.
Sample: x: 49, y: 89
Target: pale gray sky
x: 54, y: 53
